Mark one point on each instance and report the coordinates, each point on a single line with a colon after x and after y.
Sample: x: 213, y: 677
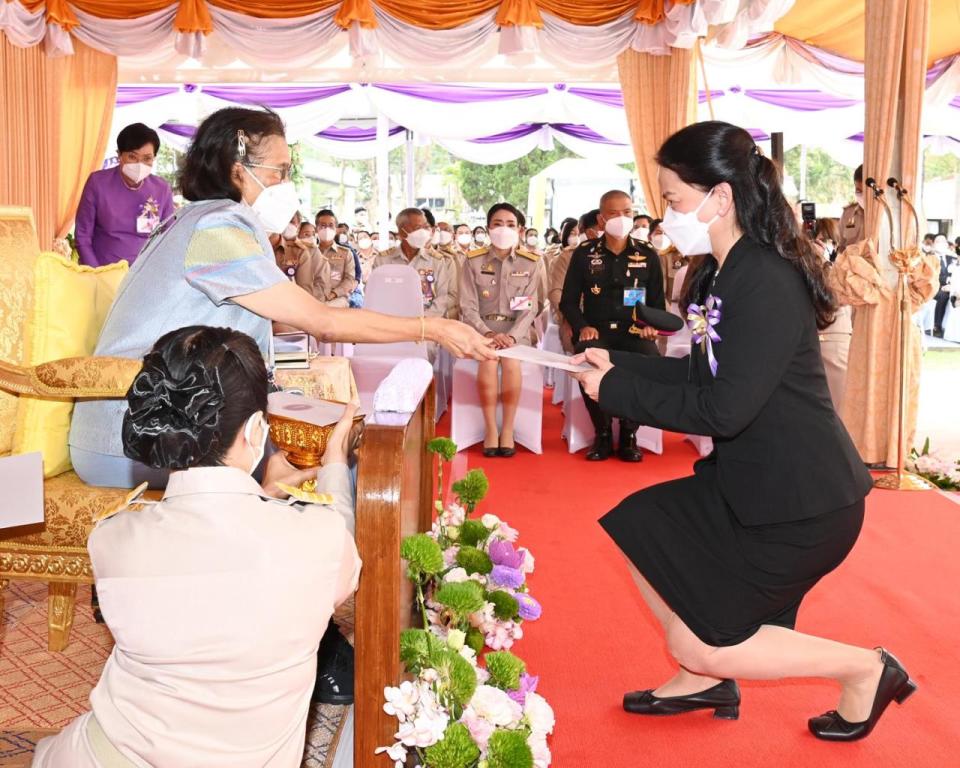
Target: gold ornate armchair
x: 54, y: 551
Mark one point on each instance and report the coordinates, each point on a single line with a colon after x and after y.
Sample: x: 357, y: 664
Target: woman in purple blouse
x: 121, y: 206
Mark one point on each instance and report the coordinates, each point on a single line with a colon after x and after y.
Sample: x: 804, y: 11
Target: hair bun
x: 171, y: 423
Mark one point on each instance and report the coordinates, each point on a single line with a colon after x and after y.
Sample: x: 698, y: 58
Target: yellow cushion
x: 18, y: 252
x: 70, y: 305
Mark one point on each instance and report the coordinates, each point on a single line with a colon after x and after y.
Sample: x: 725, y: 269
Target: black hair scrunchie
x: 171, y: 423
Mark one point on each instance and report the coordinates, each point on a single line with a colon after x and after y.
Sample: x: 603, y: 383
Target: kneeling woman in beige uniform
x: 218, y: 595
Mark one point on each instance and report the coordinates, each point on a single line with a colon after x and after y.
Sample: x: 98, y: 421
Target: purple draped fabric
x: 605, y: 96
x: 585, y: 133
x: 939, y: 67
x: 353, y: 133
x: 179, y: 129
x: 801, y: 101
x: 275, y: 97
x: 524, y: 129
x: 127, y: 95
x: 460, y: 94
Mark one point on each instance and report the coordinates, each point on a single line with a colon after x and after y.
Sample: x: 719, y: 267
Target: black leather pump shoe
x: 895, y: 685
x: 723, y: 699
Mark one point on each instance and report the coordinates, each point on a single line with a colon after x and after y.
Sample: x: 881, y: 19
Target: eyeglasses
x: 283, y: 170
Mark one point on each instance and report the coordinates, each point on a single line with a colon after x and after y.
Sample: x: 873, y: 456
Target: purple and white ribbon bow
x: 701, y: 319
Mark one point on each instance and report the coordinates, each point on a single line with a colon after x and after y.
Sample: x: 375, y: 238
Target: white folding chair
x: 553, y: 377
x: 678, y: 345
x: 466, y: 416
x: 578, y: 428
x: 393, y: 289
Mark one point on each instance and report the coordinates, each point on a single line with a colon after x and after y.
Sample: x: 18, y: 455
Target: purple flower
x: 504, y: 576
x: 528, y: 684
x: 530, y: 609
x: 503, y: 553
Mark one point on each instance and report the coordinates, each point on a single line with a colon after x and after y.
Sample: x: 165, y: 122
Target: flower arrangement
x: 465, y: 708
x: 941, y: 472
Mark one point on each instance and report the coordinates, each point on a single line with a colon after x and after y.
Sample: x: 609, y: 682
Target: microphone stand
x: 903, y: 259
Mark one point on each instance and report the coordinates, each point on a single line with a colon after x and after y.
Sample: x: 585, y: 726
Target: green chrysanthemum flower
x: 505, y: 670
x: 455, y: 750
x: 423, y: 554
x: 509, y: 749
x: 463, y: 598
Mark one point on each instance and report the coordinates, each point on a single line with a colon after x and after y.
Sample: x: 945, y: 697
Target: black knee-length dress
x: 780, y: 501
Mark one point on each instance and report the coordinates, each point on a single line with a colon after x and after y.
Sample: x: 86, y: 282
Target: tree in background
x: 937, y: 167
x: 828, y: 181
x: 484, y: 185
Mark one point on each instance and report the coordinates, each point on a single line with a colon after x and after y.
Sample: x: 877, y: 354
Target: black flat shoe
x: 723, y: 699
x: 895, y: 685
x: 507, y: 452
x: 491, y: 452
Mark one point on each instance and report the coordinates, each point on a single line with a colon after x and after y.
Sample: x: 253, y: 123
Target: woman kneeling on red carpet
x: 724, y: 557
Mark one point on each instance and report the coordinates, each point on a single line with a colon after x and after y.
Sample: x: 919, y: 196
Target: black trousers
x: 940, y: 309
x: 622, y: 341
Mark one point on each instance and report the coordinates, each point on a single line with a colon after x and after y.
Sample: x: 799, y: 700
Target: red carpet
x: 596, y: 639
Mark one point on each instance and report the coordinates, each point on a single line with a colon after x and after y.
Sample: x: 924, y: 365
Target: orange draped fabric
x: 272, y: 9
x: 894, y: 81
x: 519, y: 13
x: 440, y: 14
x: 659, y: 98
x: 356, y: 10
x: 193, y: 16
x: 55, y: 118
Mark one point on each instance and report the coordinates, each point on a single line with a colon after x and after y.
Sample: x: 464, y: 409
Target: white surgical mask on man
x: 618, y: 226
x: 418, y: 238
x: 326, y: 234
x: 690, y: 236
x: 275, y: 205
x: 504, y: 238
x: 661, y: 242
x: 940, y: 246
x: 290, y: 232
x: 364, y: 243
x: 343, y: 238
x: 136, y: 172
x: 464, y: 240
x: 445, y: 237
x: 859, y: 198
x: 641, y: 233
x: 532, y: 241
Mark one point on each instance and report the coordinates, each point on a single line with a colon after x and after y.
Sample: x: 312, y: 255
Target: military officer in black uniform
x: 606, y: 278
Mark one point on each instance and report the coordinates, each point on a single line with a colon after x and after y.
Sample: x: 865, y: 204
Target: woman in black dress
x: 724, y: 557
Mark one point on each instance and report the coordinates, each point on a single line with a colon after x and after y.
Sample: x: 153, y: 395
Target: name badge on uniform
x: 487, y: 269
x: 335, y: 276
x: 427, y: 280
x: 521, y: 303
x: 634, y: 296
x: 519, y: 274
x: 639, y: 265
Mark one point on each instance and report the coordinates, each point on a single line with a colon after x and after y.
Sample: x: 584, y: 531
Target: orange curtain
x: 659, y: 98
x: 55, y: 118
x: 894, y: 80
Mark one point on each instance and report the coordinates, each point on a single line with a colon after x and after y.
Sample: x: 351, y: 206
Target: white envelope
x: 542, y: 357
x: 21, y: 477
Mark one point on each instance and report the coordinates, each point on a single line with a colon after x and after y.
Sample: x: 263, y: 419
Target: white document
x: 22, y: 501
x: 542, y: 357
x: 321, y: 413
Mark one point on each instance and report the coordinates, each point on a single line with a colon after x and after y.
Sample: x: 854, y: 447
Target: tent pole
x: 803, y: 171
x: 409, y: 170
x: 383, y: 175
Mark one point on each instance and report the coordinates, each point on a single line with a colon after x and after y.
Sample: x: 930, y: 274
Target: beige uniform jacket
x: 217, y: 599
x: 330, y: 273
x: 851, y: 226
x: 437, y: 278
x: 500, y: 296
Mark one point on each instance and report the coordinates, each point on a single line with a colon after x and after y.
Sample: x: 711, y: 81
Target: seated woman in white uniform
x: 218, y: 595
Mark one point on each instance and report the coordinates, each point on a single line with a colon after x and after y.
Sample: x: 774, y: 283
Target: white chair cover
x: 466, y: 421
x: 553, y: 377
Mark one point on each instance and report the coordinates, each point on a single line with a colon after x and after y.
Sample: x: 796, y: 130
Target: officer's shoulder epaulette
x: 528, y: 254
x: 478, y: 252
x: 133, y: 500
x: 437, y: 254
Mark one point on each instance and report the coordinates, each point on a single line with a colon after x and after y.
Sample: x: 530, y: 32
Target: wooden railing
x: 394, y: 499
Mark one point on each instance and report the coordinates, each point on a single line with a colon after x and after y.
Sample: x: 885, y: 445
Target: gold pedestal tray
x: 903, y: 481
x: 305, y: 443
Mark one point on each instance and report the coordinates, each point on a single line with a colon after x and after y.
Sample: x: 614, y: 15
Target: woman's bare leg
x: 487, y: 386
x: 510, y: 383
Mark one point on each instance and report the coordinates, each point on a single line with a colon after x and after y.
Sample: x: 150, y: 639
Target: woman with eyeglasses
x: 212, y: 264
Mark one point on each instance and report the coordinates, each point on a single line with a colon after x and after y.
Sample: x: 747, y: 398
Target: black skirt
x: 723, y: 579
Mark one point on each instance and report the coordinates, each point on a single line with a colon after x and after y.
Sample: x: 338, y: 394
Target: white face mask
x: 275, y: 205
x: 481, y: 239
x: 940, y: 247
x: 326, y: 234
x: 690, y: 236
x: 435, y: 237
x: 582, y: 238
x: 136, y: 172
x: 445, y: 237
x: 258, y: 450
x: 364, y: 242
x: 464, y: 240
x: 504, y: 238
x: 343, y: 238
x: 532, y: 241
x: 573, y: 240
x: 289, y: 232
x: 859, y: 198
x: 661, y: 242
x: 641, y: 233
x: 418, y: 238
x: 618, y: 226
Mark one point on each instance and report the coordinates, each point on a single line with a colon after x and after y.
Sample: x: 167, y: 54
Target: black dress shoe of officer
x: 602, y: 446
x: 723, y: 699
x: 629, y: 451
x: 895, y: 685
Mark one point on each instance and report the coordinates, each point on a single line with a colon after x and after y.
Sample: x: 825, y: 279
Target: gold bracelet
x: 423, y: 330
